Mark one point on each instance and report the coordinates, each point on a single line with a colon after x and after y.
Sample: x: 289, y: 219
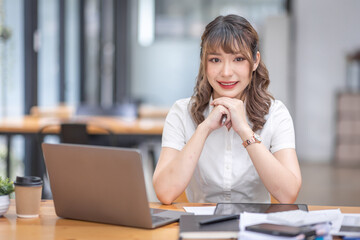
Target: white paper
x: 201, y: 210
x: 351, y: 220
x: 333, y: 216
x: 301, y: 218
x: 348, y: 219
x: 247, y: 235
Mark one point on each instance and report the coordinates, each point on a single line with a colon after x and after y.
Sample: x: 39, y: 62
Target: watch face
x: 257, y: 137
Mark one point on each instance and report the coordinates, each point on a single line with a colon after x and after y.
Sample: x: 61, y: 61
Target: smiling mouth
x: 228, y: 83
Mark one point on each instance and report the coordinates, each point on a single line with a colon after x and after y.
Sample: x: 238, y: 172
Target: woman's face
x: 228, y: 73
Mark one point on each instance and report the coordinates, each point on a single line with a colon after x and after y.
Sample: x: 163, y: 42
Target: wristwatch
x: 254, y: 139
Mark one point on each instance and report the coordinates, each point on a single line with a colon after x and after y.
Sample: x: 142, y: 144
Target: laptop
x: 101, y: 184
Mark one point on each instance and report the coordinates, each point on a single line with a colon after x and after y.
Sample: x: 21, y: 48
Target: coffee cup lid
x: 28, y: 181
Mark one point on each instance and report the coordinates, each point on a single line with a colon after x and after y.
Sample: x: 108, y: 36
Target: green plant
x: 6, y: 186
x: 5, y: 33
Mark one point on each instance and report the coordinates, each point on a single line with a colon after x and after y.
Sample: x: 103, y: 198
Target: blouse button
x: 228, y: 147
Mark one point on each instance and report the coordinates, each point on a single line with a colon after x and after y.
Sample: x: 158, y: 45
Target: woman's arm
x: 175, y: 169
x: 280, y: 172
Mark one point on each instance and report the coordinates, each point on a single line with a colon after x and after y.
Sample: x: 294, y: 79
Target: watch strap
x: 251, y: 140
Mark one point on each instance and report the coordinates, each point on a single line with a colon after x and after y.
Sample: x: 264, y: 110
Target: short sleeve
x: 174, y: 128
x: 283, y: 133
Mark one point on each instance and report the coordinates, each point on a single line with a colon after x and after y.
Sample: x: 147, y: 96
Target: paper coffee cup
x: 28, y: 196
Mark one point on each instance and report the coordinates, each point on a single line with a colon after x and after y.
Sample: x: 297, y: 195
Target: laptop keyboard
x: 158, y: 218
x: 156, y: 210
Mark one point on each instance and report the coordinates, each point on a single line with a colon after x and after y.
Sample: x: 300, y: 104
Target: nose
x: 227, y: 70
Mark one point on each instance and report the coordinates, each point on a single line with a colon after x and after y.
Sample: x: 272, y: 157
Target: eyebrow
x: 218, y: 54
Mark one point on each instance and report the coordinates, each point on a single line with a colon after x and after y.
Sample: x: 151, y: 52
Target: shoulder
x: 179, y: 108
x: 277, y: 106
x: 181, y: 105
x: 179, y: 118
x: 280, y: 127
x: 278, y: 112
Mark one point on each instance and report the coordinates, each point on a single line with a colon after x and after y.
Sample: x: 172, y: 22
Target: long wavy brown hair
x: 234, y: 34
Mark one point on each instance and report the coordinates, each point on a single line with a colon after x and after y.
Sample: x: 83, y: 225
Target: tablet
x: 237, y: 208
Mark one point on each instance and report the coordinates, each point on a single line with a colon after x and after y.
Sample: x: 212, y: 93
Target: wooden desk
x: 49, y: 226
x: 135, y: 130
x: 31, y: 125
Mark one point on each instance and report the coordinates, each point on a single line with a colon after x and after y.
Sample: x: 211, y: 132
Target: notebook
x: 101, y: 184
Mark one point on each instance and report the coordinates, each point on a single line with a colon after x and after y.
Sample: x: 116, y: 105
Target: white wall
x: 325, y: 32
x: 275, y: 53
x: 165, y: 71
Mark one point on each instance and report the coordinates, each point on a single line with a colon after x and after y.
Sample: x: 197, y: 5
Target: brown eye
x: 214, y: 60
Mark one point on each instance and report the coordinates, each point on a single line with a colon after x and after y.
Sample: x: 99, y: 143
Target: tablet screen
x: 237, y: 208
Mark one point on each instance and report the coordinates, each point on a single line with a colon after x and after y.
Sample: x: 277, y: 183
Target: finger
x: 226, y: 102
x: 227, y: 119
x: 228, y: 125
x: 219, y: 113
x: 220, y: 99
x: 215, y: 102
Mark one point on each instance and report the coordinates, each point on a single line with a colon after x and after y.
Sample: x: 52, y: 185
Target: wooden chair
x: 182, y: 198
x: 77, y: 133
x: 73, y: 133
x: 273, y: 200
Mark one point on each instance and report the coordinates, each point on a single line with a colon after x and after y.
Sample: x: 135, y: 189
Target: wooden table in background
x: 135, y: 130
x: 31, y: 125
x: 48, y: 226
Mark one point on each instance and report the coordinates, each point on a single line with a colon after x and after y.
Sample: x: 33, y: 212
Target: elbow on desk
x: 164, y: 196
x: 288, y: 200
x: 165, y: 200
x: 290, y: 196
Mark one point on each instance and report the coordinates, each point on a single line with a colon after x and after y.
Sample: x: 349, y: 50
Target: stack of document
x: 319, y: 220
x: 327, y: 223
x: 302, y: 218
x: 350, y: 226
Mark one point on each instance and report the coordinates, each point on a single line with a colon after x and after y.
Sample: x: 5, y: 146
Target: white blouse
x: 225, y: 172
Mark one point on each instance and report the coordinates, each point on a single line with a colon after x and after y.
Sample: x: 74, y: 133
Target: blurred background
x: 109, y: 52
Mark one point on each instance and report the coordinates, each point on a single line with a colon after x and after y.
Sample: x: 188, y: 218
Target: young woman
x: 230, y: 142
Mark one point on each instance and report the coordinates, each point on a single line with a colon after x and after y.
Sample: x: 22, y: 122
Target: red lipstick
x: 228, y: 85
